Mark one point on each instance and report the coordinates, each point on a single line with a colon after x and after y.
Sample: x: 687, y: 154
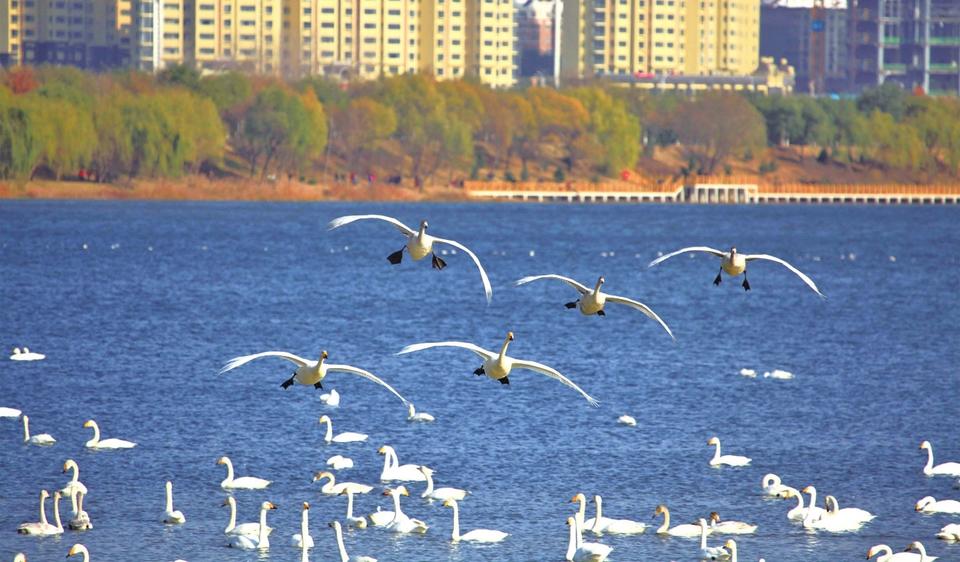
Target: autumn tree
x: 717, y: 125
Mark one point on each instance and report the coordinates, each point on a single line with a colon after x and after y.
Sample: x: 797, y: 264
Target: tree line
x: 58, y: 121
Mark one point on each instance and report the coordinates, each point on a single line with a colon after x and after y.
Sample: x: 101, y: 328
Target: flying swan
x: 498, y: 366
x: 309, y: 373
x: 734, y: 263
x: 419, y: 245
x: 105, y: 444
x: 592, y: 301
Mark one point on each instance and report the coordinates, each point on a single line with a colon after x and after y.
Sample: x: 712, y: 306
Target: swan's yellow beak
x: 448, y: 503
x: 225, y: 503
x: 324, y: 354
x: 510, y: 336
x: 382, y: 451
x: 88, y: 423
x: 807, y: 490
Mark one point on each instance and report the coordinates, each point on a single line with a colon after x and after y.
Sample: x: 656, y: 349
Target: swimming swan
x: 343, y: 550
x: 928, y: 504
x: 592, y: 301
x: 42, y: 440
x: 943, y: 469
x: 339, y: 462
x: 498, y: 366
x: 10, y: 413
x: 331, y: 488
x: 26, y: 355
x: 79, y: 549
x: 41, y: 526
x: 728, y: 460
x: 262, y: 541
x: 352, y: 520
x: 393, y: 470
x: 309, y: 373
x: 580, y: 499
x: 402, y: 523
x: 441, y: 494
x: 950, y: 532
x: 772, y: 485
x: 382, y: 518
x: 81, y: 519
x: 345, y: 437
x: 414, y: 416
x: 730, y: 527
x: 476, y: 535
x: 303, y: 538
x: 579, y: 551
x: 627, y: 420
x: 20, y: 557
x: 249, y: 529
x: 105, y: 444
x: 603, y: 524
x: 686, y: 530
x: 832, y: 521
x: 242, y: 483
x: 170, y: 516
x: 331, y: 398
x: 799, y: 512
x: 734, y: 263
x: 709, y: 552
x: 848, y: 513
x: 74, y: 485
x: 885, y: 554
x: 50, y: 530
x: 419, y: 245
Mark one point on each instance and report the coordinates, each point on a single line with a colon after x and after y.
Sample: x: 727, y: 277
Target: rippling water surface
x: 136, y: 325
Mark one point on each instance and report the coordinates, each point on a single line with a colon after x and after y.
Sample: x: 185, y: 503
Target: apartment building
x: 792, y: 33
x: 492, y: 42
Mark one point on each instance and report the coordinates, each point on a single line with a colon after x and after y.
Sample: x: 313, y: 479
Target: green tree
x: 616, y: 131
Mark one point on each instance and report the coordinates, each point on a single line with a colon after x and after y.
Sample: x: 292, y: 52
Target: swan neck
x: 703, y: 534
x: 229, y: 471
x: 733, y: 552
x: 233, y: 517
x: 716, y: 452
x: 572, y: 543
x: 579, y: 534
x: 328, y: 487
x: 929, y: 465
x: 26, y: 429
x: 429, y: 490
x: 581, y: 511
x: 503, y: 350
x: 262, y: 537
x: 43, y: 511
x: 75, y: 469
x: 74, y: 504
x: 328, y: 437
x: 396, y: 506
x: 305, y: 525
x: 96, y: 436
x: 596, y: 288
x: 340, y: 547
x: 349, y: 505
x: 456, y: 522
x: 808, y: 517
x: 596, y: 520
x: 666, y: 522
x: 56, y: 512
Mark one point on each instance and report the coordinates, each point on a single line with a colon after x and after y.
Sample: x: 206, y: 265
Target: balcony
x: 944, y: 68
x: 894, y: 67
x: 891, y: 40
x: 951, y: 41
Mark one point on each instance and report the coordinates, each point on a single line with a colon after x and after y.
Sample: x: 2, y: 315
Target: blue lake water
x: 136, y: 326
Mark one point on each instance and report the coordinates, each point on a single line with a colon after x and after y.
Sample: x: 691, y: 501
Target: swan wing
x: 367, y: 375
x: 483, y: 353
x: 706, y: 249
x: 800, y: 274
x: 582, y: 289
x: 483, y: 274
x: 553, y: 374
x: 244, y: 359
x: 642, y: 308
x: 341, y: 221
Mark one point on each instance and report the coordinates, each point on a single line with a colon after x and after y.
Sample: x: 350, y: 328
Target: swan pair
x: 799, y: 513
x: 262, y: 540
x: 26, y: 355
x: 719, y: 460
x: 402, y: 523
x: 41, y: 440
x: 419, y: 245
x: 943, y: 469
x: 885, y: 554
x: 592, y: 301
x: 80, y: 520
x: 332, y: 488
x: 734, y: 263
x: 394, y: 471
x: 834, y: 519
x: 309, y: 373
x: 441, y: 494
x: 42, y: 528
x: 929, y: 504
x: 105, y: 444
x: 171, y: 516
x: 476, y: 535
x: 580, y: 551
x: 248, y: 529
x: 498, y: 366
x: 338, y: 530
x: 242, y: 483
x: 345, y: 437
x: 599, y: 525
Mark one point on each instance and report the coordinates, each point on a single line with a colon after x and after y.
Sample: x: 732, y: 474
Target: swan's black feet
x: 479, y: 372
x: 438, y: 263
x: 504, y: 380
x: 746, y: 284
x: 318, y: 385
x: 717, y: 280
x: 571, y: 305
x: 287, y: 383
x: 396, y: 257
x: 601, y: 313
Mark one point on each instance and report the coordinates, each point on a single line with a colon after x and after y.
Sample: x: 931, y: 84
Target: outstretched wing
x: 800, y: 274
x: 483, y: 353
x: 367, y: 375
x: 706, y: 249
x: 642, y: 308
x: 243, y: 360
x: 553, y: 374
x: 483, y: 274
x: 581, y: 288
x: 341, y: 221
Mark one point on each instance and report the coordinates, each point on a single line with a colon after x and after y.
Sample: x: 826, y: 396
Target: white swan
x: 9, y: 412
x: 41, y: 526
x: 731, y: 546
x: 581, y: 500
x: 81, y: 519
x: 262, y: 540
x: 603, y: 524
x: 393, y: 470
x: 627, y: 420
x: 709, y: 552
x: 343, y: 550
x: 249, y: 529
x: 401, y: 522
x: 57, y: 529
x: 497, y: 366
x: 382, y: 517
x: 352, y: 520
x: 778, y: 374
x: 74, y: 485
x: 331, y: 398
x: 592, y: 301
x: 476, y: 535
x: 242, y: 483
x: 170, y: 516
x: 345, y: 437
x: 772, y: 485
x: 441, y: 494
x: 725, y: 460
x: 419, y: 245
x: 303, y: 538
x: 943, y: 469
x: 854, y: 514
x: 799, y: 513
x: 929, y: 504
x: 579, y: 551
x: 734, y: 263
x: 830, y: 521
x: 20, y: 557
x: 309, y: 373
x: 26, y: 355
x: 105, y: 444
x: 730, y: 527
x: 414, y: 416
x: 332, y: 488
x: 885, y: 554
x: 950, y: 532
x: 42, y: 440
x: 339, y: 462
x: 79, y: 549
x: 686, y: 530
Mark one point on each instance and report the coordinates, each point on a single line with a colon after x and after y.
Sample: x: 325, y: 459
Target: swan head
x: 228, y: 501
x: 713, y: 441
x: 223, y: 460
x: 809, y: 490
x: 44, y: 494
x: 733, y: 251
x: 601, y: 281
x: 915, y: 546
x: 714, y: 516
x: 831, y: 503
x: 267, y: 505
x: 69, y: 464
x: 423, y: 224
x: 509, y: 336
x: 578, y: 498
x: 661, y: 510
x: 76, y: 549
x: 702, y: 522
x: 324, y: 354
x: 324, y: 419
x: 731, y: 545
x: 26, y: 350
x: 570, y: 521
x: 875, y: 550
x: 449, y: 502
x: 925, y: 501
x: 384, y: 450
x: 788, y: 493
x: 334, y: 525
x: 323, y: 474
x: 89, y: 423
x: 400, y: 491
x: 16, y: 351
x: 926, y: 445
x: 306, y: 506
x: 169, y: 486
x: 426, y: 470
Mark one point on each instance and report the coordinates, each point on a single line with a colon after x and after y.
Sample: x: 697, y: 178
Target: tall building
x: 813, y: 40
x: 914, y: 43
x: 535, y: 37
x: 492, y: 42
x: 639, y: 37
